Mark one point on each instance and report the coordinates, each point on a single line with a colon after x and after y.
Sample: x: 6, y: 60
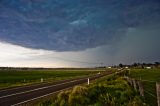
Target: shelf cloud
x: 73, y: 25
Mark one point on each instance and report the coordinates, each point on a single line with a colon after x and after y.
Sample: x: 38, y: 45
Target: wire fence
x: 149, y: 90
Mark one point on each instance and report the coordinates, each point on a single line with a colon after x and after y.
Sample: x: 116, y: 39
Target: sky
x: 78, y: 33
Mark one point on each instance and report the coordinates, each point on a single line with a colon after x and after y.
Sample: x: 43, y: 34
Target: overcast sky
x: 78, y: 33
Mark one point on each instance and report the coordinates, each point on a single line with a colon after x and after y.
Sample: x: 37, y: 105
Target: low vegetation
x: 108, y: 91
x: 149, y: 77
x: 11, y: 78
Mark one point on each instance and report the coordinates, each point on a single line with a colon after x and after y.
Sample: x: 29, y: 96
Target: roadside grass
x: 149, y: 77
x: 107, y: 91
x: 12, y: 78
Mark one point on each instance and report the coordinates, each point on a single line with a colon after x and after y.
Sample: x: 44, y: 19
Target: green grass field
x: 11, y: 78
x: 149, y: 78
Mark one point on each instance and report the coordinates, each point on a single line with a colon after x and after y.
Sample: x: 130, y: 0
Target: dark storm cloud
x: 71, y: 25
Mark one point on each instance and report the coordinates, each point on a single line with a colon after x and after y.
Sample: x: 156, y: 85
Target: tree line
x: 140, y: 65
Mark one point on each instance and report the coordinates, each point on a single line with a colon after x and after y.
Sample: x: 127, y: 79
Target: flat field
x: 149, y: 77
x: 12, y: 78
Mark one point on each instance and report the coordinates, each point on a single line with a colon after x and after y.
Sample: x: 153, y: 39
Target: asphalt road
x: 20, y: 95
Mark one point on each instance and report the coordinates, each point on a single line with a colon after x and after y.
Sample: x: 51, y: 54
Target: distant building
x: 148, y: 67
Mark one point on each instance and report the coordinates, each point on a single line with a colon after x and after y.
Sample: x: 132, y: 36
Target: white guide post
x: 88, y: 81
x: 41, y: 79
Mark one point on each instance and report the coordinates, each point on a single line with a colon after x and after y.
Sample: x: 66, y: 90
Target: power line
x: 150, y: 94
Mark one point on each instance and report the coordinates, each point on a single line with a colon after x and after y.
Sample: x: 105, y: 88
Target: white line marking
x: 3, y: 90
x: 39, y: 97
x: 38, y: 89
x: 47, y: 94
x: 36, y: 84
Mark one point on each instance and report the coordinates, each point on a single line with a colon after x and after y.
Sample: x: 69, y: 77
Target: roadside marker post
x: 88, y: 81
x: 41, y: 79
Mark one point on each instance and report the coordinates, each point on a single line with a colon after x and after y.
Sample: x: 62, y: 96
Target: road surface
x: 21, y: 95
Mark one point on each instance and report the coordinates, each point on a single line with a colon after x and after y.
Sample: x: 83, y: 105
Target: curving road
x: 21, y: 95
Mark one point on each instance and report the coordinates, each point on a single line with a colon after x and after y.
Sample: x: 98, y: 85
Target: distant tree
x: 121, y: 65
x: 135, y: 64
x: 157, y: 64
x: 138, y: 64
x: 144, y: 64
x: 149, y: 64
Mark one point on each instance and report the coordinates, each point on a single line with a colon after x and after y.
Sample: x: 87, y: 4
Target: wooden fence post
x: 134, y: 84
x: 140, y: 87
x: 130, y: 81
x: 158, y: 93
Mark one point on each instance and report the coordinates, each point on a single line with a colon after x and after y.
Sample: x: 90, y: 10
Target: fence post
x: 134, y: 84
x: 140, y: 87
x: 129, y: 80
x: 158, y: 93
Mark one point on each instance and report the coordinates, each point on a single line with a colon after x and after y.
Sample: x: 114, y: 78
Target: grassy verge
x: 107, y: 91
x: 149, y: 77
x: 17, y: 78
